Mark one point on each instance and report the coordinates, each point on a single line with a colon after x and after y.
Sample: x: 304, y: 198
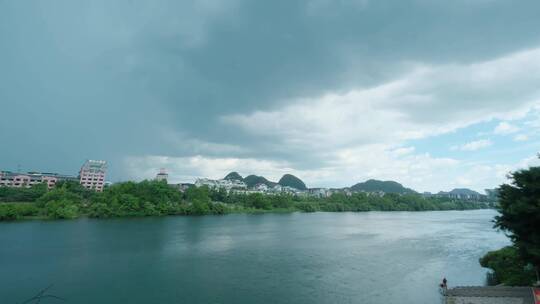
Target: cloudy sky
x: 433, y: 94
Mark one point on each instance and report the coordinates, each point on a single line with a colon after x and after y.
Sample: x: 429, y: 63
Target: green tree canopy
x: 519, y: 208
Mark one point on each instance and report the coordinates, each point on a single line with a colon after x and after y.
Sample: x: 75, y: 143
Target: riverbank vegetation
x: 154, y: 198
x: 519, y: 208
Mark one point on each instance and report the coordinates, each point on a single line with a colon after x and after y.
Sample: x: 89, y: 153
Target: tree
x: 23, y: 194
x: 58, y: 194
x: 76, y: 188
x: 519, y: 208
x: 61, y: 209
x: 258, y: 201
x: 200, y: 194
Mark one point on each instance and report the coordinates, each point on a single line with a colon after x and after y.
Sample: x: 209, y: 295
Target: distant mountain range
x: 374, y: 185
x: 234, y: 176
x: 287, y: 180
x: 253, y: 180
x: 461, y: 191
x: 371, y: 185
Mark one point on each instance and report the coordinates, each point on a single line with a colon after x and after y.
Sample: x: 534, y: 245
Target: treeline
x: 339, y: 202
x: 358, y: 202
x: 154, y: 198
x: 9, y: 194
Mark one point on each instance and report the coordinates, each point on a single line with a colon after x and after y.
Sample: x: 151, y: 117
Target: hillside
x: 373, y: 185
x: 463, y: 191
x: 233, y: 176
x: 252, y: 180
x: 292, y: 181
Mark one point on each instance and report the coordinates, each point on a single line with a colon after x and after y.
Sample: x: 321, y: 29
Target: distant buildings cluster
x: 91, y: 176
x: 240, y: 187
x: 93, y: 172
x: 221, y: 183
x: 465, y: 195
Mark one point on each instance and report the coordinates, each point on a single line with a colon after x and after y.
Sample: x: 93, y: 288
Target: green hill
x: 373, y: 185
x: 292, y: 181
x: 233, y: 176
x: 252, y: 180
x: 464, y: 191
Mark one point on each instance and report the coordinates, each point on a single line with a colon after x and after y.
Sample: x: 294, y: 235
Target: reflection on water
x: 372, y: 257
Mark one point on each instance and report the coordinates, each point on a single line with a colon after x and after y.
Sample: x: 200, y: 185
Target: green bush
x: 307, y: 207
x: 508, y: 267
x: 12, y: 194
x: 62, y: 209
x: 58, y: 194
x: 199, y: 207
x: 17, y: 211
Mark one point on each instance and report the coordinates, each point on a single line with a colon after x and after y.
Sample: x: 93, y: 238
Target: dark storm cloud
x: 105, y: 79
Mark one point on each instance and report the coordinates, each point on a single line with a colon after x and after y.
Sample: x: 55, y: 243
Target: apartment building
x: 92, y: 174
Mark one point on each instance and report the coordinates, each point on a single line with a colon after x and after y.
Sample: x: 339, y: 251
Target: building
x: 290, y: 190
x: 319, y: 192
x: 277, y: 188
x: 261, y: 187
x: 221, y: 183
x: 492, y: 295
x: 462, y: 194
x: 162, y: 175
x: 29, y: 179
x: 182, y: 187
x: 92, y: 174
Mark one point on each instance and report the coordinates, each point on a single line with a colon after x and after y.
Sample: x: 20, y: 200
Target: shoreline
x: 230, y: 212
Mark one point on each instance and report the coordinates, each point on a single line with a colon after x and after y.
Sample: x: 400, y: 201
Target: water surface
x: 370, y: 257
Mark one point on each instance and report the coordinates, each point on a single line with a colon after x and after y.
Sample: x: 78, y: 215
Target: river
x: 369, y: 257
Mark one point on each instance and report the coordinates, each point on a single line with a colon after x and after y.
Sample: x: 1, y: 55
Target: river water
x: 370, y: 257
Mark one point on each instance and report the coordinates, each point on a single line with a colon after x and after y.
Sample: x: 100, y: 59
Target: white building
x: 221, y: 183
x: 319, y: 192
x: 261, y: 187
x: 162, y: 175
x: 277, y: 188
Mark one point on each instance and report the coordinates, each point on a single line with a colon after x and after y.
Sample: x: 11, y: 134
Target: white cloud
x: 419, y: 171
x: 430, y: 100
x: 521, y: 137
x: 363, y: 133
x: 342, y: 129
x: 348, y: 167
x: 504, y: 128
x: 474, y: 145
x: 186, y: 169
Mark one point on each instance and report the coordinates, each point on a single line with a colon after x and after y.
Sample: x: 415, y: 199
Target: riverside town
x: 270, y: 152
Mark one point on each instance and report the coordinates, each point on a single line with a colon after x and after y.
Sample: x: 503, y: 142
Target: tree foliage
x: 509, y: 267
x: 519, y: 208
x: 17, y: 211
x: 23, y: 194
x: 157, y: 198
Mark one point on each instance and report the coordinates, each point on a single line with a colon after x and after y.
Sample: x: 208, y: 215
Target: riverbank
x: 154, y: 198
x: 23, y: 211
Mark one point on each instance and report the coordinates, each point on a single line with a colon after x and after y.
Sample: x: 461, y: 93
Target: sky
x: 432, y: 94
